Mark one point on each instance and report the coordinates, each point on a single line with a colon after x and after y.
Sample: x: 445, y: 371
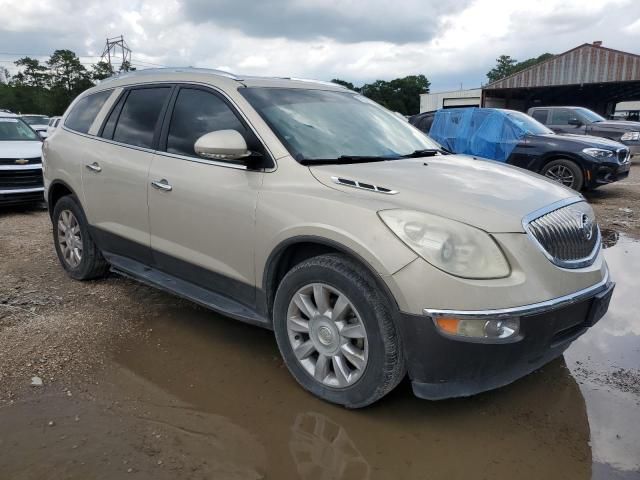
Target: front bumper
x: 441, y: 366
x: 606, y: 173
x: 20, y: 196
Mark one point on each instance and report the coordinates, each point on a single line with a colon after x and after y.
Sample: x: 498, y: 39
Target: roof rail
x: 310, y: 80
x: 150, y: 71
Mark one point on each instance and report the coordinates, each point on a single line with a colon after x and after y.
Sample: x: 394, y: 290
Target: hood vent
x: 364, y: 186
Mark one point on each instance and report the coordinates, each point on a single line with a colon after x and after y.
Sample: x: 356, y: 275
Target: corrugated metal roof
x: 587, y: 63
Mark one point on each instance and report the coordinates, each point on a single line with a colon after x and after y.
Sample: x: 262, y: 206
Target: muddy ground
x: 140, y: 384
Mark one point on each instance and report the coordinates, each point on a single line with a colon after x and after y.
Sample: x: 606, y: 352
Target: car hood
x: 20, y: 149
x: 586, y: 141
x: 486, y: 194
x: 619, y: 125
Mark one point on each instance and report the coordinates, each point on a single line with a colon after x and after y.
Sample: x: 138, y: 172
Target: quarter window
x: 84, y: 112
x: 196, y: 113
x: 140, y: 113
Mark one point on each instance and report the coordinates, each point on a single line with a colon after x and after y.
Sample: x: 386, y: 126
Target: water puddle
x: 206, y: 397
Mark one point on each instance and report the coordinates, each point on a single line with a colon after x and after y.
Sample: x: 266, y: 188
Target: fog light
x: 494, y: 329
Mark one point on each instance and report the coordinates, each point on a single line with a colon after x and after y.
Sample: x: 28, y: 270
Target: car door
x: 115, y: 174
x: 202, y: 212
x: 565, y: 120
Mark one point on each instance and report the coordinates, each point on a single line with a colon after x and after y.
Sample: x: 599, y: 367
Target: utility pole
x: 111, y: 51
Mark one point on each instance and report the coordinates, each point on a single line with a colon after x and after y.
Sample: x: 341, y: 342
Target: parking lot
x: 141, y: 383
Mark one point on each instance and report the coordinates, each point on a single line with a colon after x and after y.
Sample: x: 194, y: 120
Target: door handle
x: 162, y: 185
x: 94, y: 167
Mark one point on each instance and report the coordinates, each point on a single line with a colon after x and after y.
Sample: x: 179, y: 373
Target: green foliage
x: 505, y: 66
x: 400, y: 95
x: 49, y: 87
x: 344, y: 83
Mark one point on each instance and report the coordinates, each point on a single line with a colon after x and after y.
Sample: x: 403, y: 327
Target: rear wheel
x: 335, y: 331
x: 76, y: 250
x: 566, y: 172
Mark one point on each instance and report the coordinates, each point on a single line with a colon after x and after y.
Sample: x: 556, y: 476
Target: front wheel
x: 335, y: 332
x: 566, y: 172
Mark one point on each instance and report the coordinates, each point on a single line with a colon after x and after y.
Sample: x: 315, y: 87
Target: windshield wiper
x: 426, y: 152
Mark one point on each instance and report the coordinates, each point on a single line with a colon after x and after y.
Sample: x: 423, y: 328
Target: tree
x: 33, y: 73
x: 505, y: 66
x: 400, y: 95
x: 126, y: 67
x: 67, y: 72
x: 344, y: 83
x: 101, y: 70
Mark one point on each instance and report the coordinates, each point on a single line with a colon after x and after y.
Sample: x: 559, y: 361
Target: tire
x: 86, y: 262
x: 566, y: 172
x: 368, y: 311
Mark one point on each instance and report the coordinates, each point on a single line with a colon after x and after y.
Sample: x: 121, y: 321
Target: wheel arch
x: 56, y: 191
x: 550, y: 157
x: 295, y: 250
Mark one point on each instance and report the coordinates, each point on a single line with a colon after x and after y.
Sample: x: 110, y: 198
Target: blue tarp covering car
x: 483, y: 132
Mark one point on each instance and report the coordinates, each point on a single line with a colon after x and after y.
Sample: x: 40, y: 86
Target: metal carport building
x: 590, y: 75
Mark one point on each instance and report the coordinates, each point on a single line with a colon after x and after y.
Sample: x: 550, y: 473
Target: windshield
x: 14, y: 129
x: 528, y: 124
x: 589, y: 115
x: 329, y: 125
x: 35, y: 119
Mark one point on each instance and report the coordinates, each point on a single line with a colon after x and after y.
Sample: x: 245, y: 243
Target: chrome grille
x: 569, y: 236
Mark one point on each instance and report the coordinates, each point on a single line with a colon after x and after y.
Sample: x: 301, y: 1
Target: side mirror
x: 575, y: 122
x: 222, y: 145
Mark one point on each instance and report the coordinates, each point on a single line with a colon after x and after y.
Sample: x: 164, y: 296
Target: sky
x: 453, y: 42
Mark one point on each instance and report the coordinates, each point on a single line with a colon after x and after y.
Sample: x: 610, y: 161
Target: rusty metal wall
x: 584, y: 64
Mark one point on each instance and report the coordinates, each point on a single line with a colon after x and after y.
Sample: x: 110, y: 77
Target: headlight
x: 454, y: 247
x: 631, y: 136
x: 599, y: 153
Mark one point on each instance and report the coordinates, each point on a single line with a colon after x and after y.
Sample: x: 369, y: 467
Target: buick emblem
x: 22, y: 161
x: 587, y: 226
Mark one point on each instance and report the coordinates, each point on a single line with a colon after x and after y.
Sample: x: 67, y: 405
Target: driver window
x: 197, y: 112
x: 560, y: 116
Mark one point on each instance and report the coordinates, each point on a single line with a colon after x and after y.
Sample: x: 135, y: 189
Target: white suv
x: 308, y: 209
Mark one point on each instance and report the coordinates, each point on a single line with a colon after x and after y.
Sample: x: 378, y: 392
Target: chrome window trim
x: 207, y: 162
x: 23, y: 190
x: 571, y: 264
x: 186, y: 84
x: 165, y: 154
x: 31, y: 166
x: 525, y: 310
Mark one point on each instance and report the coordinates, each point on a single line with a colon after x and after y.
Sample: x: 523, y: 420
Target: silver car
x: 308, y: 209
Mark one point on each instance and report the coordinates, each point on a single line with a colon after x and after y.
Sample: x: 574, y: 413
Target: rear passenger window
x: 541, y: 116
x: 84, y: 112
x: 197, y: 112
x: 137, y: 121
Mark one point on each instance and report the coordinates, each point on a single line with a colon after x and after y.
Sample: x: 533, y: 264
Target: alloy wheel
x: 561, y: 174
x: 327, y: 335
x: 69, y: 238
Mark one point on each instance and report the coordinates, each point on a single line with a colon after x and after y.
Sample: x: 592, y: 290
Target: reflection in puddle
x: 606, y: 361
x: 322, y: 449
x: 609, y: 237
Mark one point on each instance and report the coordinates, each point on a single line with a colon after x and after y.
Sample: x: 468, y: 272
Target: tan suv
x: 308, y: 209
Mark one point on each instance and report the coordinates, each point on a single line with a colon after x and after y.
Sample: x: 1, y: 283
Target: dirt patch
x: 52, y: 327
x: 617, y: 206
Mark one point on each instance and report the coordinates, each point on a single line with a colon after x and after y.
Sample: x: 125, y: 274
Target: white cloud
x: 356, y: 41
